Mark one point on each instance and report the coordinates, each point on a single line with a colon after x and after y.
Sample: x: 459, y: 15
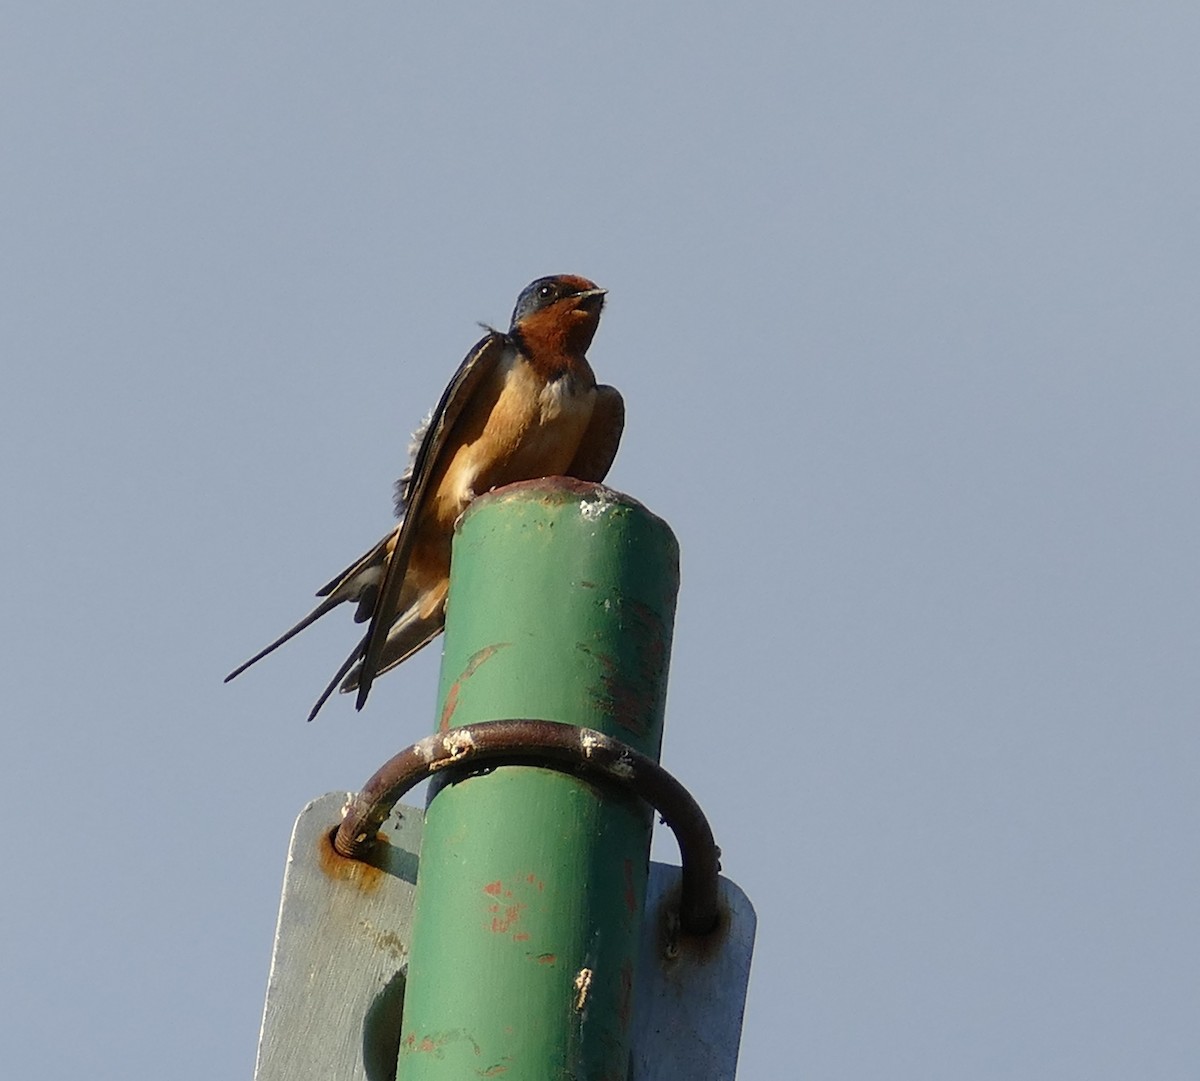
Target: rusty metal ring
x: 556, y: 746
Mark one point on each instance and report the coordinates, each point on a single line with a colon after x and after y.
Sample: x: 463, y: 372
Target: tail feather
x: 326, y: 605
x: 331, y: 686
x: 410, y: 633
x: 359, y: 582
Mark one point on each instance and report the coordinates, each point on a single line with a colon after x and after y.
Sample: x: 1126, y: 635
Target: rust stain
x: 505, y: 906
x: 674, y: 943
x: 492, y: 1071
x: 547, y: 958
x: 630, y: 893
x: 625, y: 1003
x: 434, y: 1043
x: 632, y: 695
x: 385, y: 940
x: 503, y: 924
x: 472, y: 667
x: 340, y: 868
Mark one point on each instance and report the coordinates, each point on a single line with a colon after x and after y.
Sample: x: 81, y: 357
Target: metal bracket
x: 551, y: 745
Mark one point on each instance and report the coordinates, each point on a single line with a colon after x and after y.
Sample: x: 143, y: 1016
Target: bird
x: 523, y: 404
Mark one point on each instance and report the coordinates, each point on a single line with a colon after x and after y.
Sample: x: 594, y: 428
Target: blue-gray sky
x: 904, y: 308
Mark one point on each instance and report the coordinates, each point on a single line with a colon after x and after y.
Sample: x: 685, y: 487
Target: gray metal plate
x: 690, y: 994
x: 336, y: 987
x: 336, y: 983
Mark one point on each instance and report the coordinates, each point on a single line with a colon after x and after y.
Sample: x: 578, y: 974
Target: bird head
x: 563, y: 307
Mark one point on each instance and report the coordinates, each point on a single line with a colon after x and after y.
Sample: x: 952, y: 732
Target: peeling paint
x: 435, y: 1042
x: 583, y: 985
x: 505, y: 917
x: 592, y: 509
x: 633, y: 696
x: 472, y: 667
x: 506, y: 912
x: 458, y: 746
x: 630, y: 893
x: 625, y: 1005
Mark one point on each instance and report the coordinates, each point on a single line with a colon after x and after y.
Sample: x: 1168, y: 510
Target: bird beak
x: 589, y: 301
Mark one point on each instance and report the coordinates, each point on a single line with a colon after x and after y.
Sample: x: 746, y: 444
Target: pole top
x: 595, y: 499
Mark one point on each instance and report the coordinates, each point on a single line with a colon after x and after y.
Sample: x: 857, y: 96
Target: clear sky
x: 904, y: 309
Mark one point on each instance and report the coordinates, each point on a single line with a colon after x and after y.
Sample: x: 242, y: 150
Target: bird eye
x: 546, y: 291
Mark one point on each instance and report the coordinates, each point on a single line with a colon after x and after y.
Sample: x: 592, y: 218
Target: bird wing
x: 480, y: 363
x: 598, y: 447
x: 425, y: 618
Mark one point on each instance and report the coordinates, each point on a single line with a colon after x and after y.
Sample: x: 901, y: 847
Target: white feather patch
x: 414, y: 445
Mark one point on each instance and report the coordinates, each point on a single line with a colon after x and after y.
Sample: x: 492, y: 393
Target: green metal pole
x: 531, y: 883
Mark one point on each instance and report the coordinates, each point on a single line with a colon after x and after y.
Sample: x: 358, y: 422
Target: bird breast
x: 533, y: 430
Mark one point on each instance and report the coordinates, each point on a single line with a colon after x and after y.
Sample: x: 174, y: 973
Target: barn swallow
x: 522, y: 405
